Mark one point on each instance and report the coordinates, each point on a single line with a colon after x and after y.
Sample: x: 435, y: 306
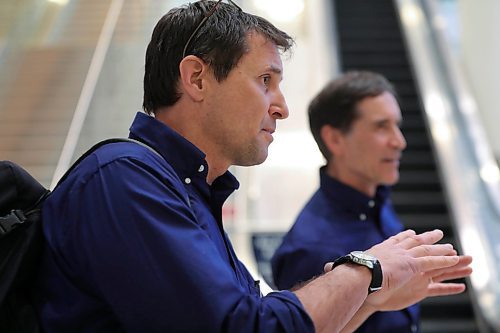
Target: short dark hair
x: 336, y: 105
x: 221, y: 42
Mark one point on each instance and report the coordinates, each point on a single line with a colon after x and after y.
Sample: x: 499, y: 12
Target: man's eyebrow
x: 275, y: 69
x: 379, y: 121
x: 386, y: 120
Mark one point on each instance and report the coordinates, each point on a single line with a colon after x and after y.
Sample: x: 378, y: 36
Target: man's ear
x: 333, y: 138
x: 192, y: 73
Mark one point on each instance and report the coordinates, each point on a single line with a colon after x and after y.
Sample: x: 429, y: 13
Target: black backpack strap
x: 17, y: 217
x: 11, y: 221
x: 99, y: 145
x: 20, y: 197
x: 108, y: 141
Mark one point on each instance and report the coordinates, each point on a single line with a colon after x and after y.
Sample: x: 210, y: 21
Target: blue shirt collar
x: 351, y: 199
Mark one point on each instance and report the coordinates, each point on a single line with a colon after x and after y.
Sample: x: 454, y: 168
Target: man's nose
x: 398, y: 140
x: 279, y: 108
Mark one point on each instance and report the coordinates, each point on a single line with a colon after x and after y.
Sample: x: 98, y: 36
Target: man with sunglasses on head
x: 135, y: 240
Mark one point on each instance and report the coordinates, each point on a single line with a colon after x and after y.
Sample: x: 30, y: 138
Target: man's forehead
x: 377, y: 114
x: 262, y: 48
x: 383, y: 101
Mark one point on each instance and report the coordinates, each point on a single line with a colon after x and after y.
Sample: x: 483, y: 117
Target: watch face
x: 363, y: 258
x: 373, y: 264
x: 363, y: 255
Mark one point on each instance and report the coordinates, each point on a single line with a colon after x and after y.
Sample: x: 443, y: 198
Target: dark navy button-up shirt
x: 135, y: 243
x: 337, y: 220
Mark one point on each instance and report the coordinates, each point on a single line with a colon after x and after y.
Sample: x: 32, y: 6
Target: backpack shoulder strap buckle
x: 11, y: 221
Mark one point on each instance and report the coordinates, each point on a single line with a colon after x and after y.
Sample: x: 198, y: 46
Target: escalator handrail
x: 461, y: 149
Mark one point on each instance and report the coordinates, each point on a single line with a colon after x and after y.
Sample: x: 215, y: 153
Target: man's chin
x: 253, y: 160
x: 391, y: 181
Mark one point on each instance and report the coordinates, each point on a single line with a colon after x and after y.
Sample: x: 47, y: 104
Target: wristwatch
x: 367, y: 260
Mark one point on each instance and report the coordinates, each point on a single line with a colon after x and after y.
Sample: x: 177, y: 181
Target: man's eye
x: 266, y: 80
x: 383, y: 127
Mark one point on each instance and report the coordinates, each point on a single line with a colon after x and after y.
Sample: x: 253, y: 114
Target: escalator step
x: 373, y: 59
x: 413, y: 122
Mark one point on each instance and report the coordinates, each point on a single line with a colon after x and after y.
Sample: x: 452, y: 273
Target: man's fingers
x: 442, y: 289
x: 433, y: 250
x: 429, y: 263
x: 460, y: 270
x: 426, y: 238
x: 398, y: 238
x: 328, y: 267
x: 455, y: 274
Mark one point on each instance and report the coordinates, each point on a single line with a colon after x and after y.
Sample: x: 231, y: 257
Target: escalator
x: 369, y: 37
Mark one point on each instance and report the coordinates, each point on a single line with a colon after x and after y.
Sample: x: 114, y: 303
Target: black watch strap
x: 377, y: 278
x: 372, y: 264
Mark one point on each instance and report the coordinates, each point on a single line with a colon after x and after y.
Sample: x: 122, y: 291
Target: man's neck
x: 334, y: 171
x: 181, y: 122
x: 215, y: 170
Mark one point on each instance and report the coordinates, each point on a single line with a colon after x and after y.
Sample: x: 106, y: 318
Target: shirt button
x: 187, y: 180
x: 362, y: 217
x: 201, y: 168
x: 371, y: 203
x: 414, y: 328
